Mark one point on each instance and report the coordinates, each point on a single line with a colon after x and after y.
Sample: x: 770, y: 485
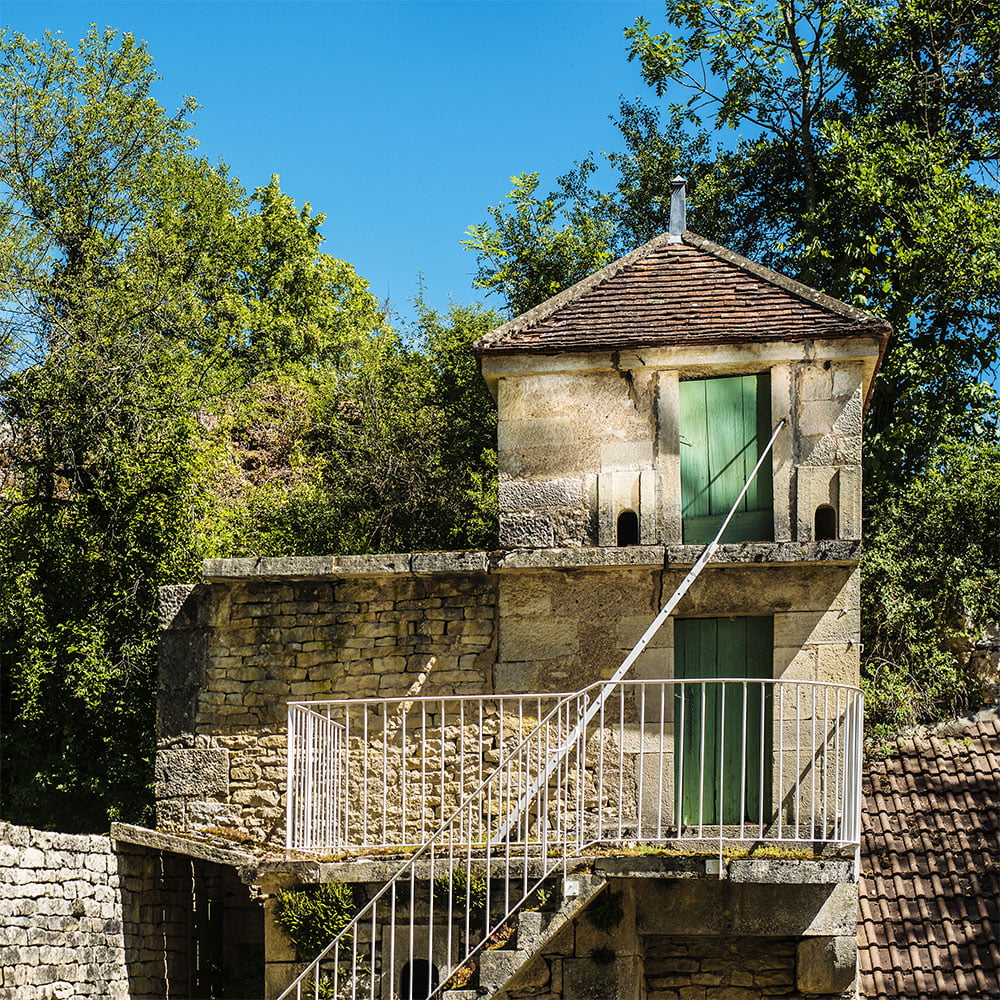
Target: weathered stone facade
x: 582, y: 438
x: 596, y: 392
x: 260, y: 634
x: 703, y: 940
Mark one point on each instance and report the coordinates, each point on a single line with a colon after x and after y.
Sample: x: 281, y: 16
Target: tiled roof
x: 930, y: 868
x: 693, y: 292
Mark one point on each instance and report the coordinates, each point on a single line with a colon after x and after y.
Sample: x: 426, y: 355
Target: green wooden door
x: 722, y: 732
x: 725, y: 425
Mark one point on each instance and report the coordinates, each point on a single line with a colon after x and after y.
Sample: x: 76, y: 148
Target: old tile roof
x: 693, y: 292
x: 929, y: 918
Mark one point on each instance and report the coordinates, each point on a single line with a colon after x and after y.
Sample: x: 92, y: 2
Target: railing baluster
x: 364, y: 780
x: 743, y: 760
x: 554, y: 816
x: 764, y: 720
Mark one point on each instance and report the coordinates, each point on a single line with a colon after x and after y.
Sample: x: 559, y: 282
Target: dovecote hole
x: 825, y: 527
x: 628, y: 528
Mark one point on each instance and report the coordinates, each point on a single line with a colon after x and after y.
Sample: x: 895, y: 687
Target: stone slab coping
x: 189, y: 845
x: 700, y: 861
x: 844, y: 552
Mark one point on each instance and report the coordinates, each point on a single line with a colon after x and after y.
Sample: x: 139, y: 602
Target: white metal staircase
x: 493, y: 799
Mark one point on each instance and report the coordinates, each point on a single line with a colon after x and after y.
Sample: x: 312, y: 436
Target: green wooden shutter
x: 725, y: 425
x: 710, y: 777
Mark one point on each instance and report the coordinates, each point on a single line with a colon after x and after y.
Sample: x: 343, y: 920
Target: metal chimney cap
x: 678, y: 208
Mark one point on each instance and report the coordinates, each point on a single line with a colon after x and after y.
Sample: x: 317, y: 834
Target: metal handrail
x: 804, y: 791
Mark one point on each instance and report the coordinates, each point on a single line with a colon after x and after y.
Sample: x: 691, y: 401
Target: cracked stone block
x: 201, y: 771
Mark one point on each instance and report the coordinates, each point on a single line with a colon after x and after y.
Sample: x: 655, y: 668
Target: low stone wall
x: 260, y: 633
x: 706, y: 968
x: 61, y: 929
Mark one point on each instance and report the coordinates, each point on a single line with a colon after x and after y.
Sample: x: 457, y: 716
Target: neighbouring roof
x: 693, y: 292
x: 930, y: 867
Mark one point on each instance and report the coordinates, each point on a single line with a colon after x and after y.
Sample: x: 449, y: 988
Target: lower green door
x: 722, y: 730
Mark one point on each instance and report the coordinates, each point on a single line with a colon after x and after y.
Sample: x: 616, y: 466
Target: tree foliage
x: 394, y: 450
x: 932, y: 577
x: 185, y: 373
x: 859, y: 153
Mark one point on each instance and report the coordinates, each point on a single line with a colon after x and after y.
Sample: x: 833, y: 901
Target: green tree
x: 142, y: 292
x: 525, y: 255
x: 932, y: 578
x: 391, y: 450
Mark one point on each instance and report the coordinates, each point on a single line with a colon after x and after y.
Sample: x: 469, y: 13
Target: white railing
x: 723, y: 762
x: 386, y: 772
x: 660, y: 761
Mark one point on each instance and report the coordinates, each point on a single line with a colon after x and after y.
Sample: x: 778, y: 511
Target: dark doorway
x: 192, y: 928
x: 418, y: 980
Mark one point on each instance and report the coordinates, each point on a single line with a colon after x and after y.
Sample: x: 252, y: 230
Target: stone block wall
x: 61, y: 927
x: 577, y: 446
x: 237, y: 649
x: 233, y: 655
x: 721, y: 968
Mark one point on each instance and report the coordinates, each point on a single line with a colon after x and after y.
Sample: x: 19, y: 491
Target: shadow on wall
x: 191, y: 928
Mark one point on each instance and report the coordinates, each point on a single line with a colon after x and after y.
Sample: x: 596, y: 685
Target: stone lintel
x: 189, y: 846
x: 507, y: 560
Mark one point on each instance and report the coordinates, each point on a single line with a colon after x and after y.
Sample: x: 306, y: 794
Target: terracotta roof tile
x: 929, y: 914
x: 693, y: 292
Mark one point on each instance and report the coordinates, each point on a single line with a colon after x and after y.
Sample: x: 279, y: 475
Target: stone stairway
x: 499, y: 968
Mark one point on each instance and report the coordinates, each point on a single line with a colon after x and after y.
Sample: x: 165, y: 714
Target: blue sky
x: 401, y: 121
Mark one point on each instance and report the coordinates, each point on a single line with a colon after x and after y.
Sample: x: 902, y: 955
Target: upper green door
x: 723, y: 731
x: 725, y: 425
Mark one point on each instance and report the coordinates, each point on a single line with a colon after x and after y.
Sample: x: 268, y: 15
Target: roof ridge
x: 544, y: 310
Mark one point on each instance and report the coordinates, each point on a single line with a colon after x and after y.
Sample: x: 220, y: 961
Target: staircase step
x: 534, y: 930
x: 460, y: 995
x: 497, y: 966
x: 532, y: 926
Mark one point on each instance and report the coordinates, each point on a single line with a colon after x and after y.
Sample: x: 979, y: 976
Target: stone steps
x: 499, y: 967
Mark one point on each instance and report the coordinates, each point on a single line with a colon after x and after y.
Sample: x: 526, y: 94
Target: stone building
x: 689, y: 830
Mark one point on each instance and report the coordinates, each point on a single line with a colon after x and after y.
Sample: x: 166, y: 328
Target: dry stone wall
x: 61, y: 928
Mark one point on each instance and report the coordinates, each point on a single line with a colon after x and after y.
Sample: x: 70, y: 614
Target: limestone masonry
x: 61, y: 924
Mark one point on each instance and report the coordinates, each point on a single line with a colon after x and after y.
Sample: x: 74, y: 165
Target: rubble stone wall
x: 698, y: 968
x: 61, y: 928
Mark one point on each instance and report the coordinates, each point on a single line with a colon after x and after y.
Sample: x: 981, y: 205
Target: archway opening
x: 628, y: 528
x: 825, y: 527
x: 418, y: 980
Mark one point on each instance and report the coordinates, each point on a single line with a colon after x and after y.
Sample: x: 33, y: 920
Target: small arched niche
x: 627, y: 529
x: 418, y: 980
x: 825, y: 523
